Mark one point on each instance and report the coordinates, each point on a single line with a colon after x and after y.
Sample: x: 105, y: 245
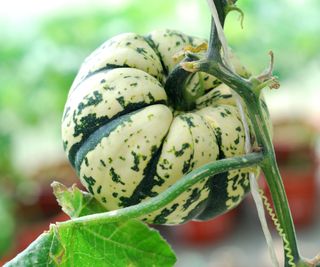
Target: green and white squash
x: 128, y: 142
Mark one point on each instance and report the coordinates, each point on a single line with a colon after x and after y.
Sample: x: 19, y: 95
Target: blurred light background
x: 42, y: 44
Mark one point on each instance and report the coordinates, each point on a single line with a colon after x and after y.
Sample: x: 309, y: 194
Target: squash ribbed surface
x: 127, y: 143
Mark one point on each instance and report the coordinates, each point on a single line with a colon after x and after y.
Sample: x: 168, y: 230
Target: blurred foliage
x: 40, y: 56
x: 38, y: 68
x: 6, y: 222
x: 290, y: 28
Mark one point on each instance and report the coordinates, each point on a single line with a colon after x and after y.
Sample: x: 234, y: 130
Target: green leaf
x: 94, y: 243
x: 121, y: 244
x: 44, y: 251
x: 75, y: 202
x: 129, y: 243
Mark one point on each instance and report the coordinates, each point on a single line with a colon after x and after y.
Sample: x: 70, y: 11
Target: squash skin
x: 128, y: 144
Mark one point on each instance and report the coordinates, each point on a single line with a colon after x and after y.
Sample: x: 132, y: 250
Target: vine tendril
x: 273, y: 216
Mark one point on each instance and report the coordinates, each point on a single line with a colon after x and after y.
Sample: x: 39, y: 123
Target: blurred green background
x: 42, y: 44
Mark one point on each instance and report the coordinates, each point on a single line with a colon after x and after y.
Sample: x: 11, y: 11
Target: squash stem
x: 214, y: 65
x: 156, y: 203
x: 269, y: 166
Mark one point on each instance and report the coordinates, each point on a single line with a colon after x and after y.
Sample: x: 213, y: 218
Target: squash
x: 129, y: 139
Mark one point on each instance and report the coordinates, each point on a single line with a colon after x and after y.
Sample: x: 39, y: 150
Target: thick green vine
x: 250, y: 92
x: 173, y: 192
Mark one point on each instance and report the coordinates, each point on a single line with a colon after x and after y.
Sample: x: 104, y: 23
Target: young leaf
x: 120, y: 244
x: 75, y: 202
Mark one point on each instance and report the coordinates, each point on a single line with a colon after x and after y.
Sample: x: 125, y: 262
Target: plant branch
x: 217, y: 8
x: 172, y: 192
x: 269, y: 166
x: 250, y: 91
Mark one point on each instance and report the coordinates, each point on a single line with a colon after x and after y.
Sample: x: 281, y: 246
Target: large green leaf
x: 129, y: 243
x: 94, y: 243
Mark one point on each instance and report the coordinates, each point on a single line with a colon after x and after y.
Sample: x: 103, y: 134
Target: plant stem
x: 252, y: 100
x: 172, y: 192
x: 271, y: 172
x: 216, y: 64
x: 272, y: 175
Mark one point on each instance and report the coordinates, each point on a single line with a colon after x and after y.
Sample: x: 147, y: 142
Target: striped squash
x: 128, y: 142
